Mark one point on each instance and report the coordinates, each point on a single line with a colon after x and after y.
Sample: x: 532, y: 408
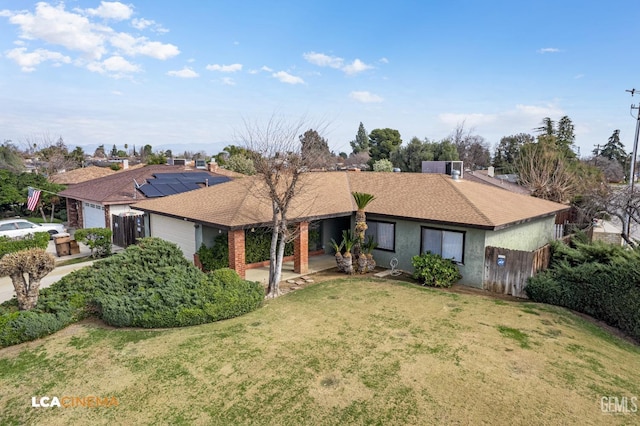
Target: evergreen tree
x: 382, y: 142
x: 614, y: 149
x: 361, y: 143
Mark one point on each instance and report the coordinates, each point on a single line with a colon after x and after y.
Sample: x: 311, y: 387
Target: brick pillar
x: 236, y: 251
x: 301, y: 249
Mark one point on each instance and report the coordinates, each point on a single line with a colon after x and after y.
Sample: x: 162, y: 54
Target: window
x: 25, y: 225
x: 384, y: 233
x: 448, y: 244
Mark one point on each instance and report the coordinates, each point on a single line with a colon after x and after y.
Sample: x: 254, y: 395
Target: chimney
x: 213, y: 166
x: 125, y: 164
x: 490, y: 171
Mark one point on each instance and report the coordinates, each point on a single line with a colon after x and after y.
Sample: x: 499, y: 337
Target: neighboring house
x: 92, y: 203
x: 73, y: 177
x: 500, y: 181
x: 412, y: 213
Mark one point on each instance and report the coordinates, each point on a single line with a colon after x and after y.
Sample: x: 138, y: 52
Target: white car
x: 13, y: 228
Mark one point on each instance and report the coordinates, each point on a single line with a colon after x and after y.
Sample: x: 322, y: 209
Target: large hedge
x: 38, y: 240
x: 149, y: 285
x: 601, y: 280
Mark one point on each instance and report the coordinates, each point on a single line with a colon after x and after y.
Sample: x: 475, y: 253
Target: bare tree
x: 53, y: 153
x: 35, y: 263
x: 280, y: 164
x: 472, y: 149
x: 545, y: 172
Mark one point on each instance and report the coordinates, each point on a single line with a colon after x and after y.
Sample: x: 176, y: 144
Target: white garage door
x: 93, y: 215
x: 179, y: 232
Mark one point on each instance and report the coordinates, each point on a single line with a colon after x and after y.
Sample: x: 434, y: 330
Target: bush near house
x: 433, y: 270
x: 257, y: 246
x: 148, y: 285
x: 38, y: 240
x: 600, y: 280
x: 98, y: 240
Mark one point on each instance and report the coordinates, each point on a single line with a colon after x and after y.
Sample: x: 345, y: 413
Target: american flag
x: 32, y: 198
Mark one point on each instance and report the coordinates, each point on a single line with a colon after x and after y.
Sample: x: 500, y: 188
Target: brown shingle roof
x: 481, y: 176
x: 427, y: 197
x: 84, y: 174
x: 118, y: 188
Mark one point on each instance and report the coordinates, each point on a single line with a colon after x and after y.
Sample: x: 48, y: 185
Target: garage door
x: 179, y: 232
x: 93, y: 215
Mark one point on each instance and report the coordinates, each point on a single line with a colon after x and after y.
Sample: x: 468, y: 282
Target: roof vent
x: 455, y: 174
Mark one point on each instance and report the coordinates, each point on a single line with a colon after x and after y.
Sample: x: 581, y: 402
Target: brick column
x: 236, y: 251
x: 301, y: 249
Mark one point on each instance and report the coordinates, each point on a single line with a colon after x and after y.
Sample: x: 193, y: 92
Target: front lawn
x: 347, y: 351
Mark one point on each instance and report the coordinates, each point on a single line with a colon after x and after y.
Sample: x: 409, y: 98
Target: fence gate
x: 506, y: 271
x: 127, y: 229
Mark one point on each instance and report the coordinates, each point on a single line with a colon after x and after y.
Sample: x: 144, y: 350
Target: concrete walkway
x: 6, y: 286
x: 316, y: 264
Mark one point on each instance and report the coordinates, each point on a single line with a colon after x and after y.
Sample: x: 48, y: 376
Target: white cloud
x: 356, y: 67
x: 225, y: 68
x: 285, y: 77
x: 56, y: 26
x: 228, y: 81
x: 383, y: 60
x: 548, y: 50
x: 29, y: 60
x: 322, y: 60
x: 115, y: 66
x: 6, y: 13
x: 132, y: 46
x: 184, y: 73
x: 365, y: 97
x: 143, y: 24
x: 79, y: 32
x: 520, y: 117
x: 266, y: 68
x: 111, y: 10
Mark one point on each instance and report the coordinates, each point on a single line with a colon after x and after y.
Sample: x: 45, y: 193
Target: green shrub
x: 98, y: 240
x: 432, y: 270
x: 217, y: 256
x: 257, y: 248
x: 38, y: 240
x: 600, y: 280
x: 149, y: 285
x: 22, y: 326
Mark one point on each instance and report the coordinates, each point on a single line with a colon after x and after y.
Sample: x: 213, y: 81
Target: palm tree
x: 347, y: 260
x: 362, y: 201
x: 339, y: 259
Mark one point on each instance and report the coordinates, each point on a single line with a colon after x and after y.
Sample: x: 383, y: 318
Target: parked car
x: 13, y: 228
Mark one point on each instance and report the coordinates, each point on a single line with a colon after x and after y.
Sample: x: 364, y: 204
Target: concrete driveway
x: 6, y: 286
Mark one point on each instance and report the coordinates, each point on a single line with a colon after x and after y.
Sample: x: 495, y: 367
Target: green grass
x: 349, y: 351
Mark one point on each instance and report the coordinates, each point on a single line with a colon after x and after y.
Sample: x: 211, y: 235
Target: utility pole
x: 632, y: 174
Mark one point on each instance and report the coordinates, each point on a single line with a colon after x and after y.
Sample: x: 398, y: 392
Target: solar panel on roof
x: 150, y: 191
x: 164, y: 184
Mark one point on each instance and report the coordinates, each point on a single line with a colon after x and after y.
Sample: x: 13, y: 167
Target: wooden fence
x: 506, y: 271
x: 127, y: 229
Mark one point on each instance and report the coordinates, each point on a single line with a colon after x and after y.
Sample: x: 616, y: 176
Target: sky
x: 188, y: 75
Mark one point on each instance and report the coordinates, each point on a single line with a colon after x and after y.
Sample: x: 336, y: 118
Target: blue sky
x: 186, y: 74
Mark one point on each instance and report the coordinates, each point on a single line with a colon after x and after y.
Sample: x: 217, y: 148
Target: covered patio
x: 316, y: 264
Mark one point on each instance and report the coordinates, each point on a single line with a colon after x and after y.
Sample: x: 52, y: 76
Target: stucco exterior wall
x: 527, y: 236
x: 407, y: 245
